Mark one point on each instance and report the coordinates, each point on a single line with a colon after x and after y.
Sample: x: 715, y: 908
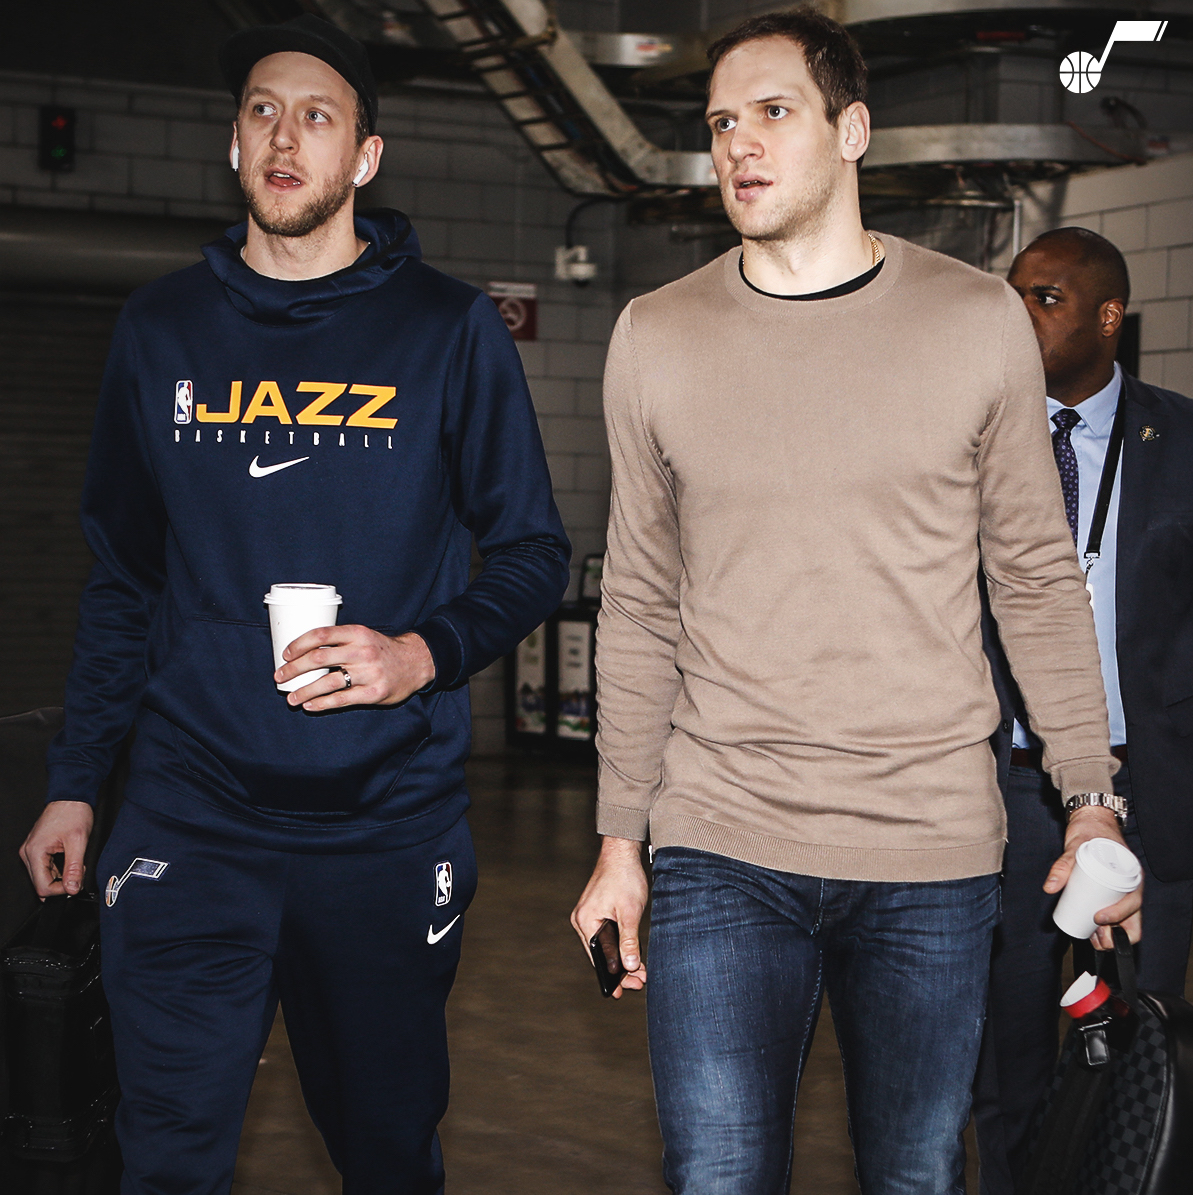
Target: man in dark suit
x: 1140, y: 577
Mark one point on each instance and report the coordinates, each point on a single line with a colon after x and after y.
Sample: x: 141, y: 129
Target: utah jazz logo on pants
x: 151, y: 869
x: 443, y: 883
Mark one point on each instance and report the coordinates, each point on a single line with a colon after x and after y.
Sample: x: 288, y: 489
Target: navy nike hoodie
x: 357, y: 430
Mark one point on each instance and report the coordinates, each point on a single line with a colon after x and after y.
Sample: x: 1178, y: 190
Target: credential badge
x: 184, y: 401
x: 443, y: 883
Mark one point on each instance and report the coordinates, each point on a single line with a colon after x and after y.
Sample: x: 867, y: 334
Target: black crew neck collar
x: 833, y: 292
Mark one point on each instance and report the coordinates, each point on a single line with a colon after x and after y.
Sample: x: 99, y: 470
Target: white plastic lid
x: 1079, y: 989
x: 302, y: 592
x: 1109, y: 863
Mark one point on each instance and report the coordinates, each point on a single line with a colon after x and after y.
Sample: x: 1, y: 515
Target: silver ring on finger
x: 347, y: 678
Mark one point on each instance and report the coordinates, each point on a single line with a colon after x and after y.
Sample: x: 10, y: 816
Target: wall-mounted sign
x: 590, y: 576
x: 530, y: 684
x: 577, y: 698
x: 519, y: 306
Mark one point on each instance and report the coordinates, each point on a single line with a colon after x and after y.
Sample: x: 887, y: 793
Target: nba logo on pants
x: 443, y: 883
x: 184, y: 398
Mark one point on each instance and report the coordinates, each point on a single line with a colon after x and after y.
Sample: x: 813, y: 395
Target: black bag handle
x: 66, y: 925
x: 1124, y: 961
x: 47, y: 930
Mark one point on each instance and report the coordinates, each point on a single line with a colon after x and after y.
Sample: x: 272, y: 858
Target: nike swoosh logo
x: 433, y: 937
x: 256, y: 470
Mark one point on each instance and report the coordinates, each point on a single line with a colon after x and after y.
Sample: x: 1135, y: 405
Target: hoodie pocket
x: 236, y: 732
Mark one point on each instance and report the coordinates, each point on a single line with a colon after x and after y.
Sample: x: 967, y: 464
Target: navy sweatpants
x: 361, y: 949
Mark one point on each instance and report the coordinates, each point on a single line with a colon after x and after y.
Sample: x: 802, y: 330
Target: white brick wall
x: 484, y: 209
x: 1147, y: 211
x: 144, y: 150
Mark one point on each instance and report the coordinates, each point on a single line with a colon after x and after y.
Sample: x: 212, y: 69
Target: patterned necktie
x: 1066, y: 462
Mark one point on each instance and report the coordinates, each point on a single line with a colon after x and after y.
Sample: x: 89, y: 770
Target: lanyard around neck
x: 1093, y: 545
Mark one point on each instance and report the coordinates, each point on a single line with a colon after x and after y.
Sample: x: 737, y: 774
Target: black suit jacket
x: 1154, y: 609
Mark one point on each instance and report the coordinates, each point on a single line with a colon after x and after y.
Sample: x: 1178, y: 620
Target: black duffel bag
x: 62, y: 1073
x: 1118, y: 1116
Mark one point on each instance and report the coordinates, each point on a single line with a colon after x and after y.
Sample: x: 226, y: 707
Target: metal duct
x: 93, y: 253
x: 557, y: 101
x: 920, y: 145
x: 854, y: 12
x: 568, y: 116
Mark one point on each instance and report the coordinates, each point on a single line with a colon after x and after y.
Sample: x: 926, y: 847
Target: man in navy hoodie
x: 311, y: 404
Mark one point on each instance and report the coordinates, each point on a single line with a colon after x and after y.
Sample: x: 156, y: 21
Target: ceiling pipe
x: 95, y: 253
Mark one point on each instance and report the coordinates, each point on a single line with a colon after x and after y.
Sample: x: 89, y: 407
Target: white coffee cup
x: 295, y: 609
x: 1103, y: 873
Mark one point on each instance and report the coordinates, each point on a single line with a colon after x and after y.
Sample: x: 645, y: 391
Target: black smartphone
x: 605, y: 945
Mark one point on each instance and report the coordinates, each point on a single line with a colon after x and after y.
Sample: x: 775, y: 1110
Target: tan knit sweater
x: 789, y: 658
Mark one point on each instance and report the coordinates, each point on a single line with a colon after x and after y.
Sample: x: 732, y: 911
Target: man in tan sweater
x: 815, y: 439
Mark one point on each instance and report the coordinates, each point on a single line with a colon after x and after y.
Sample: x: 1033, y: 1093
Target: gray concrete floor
x: 550, y: 1084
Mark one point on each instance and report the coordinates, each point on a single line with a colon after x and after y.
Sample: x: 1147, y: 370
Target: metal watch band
x: 1112, y: 801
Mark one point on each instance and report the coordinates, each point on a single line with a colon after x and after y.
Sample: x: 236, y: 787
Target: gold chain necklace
x: 878, y: 251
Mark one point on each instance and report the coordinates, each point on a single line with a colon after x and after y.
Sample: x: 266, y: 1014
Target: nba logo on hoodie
x: 184, y: 401
x: 443, y: 883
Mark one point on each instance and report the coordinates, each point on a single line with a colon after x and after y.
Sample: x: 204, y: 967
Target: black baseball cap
x: 307, y: 34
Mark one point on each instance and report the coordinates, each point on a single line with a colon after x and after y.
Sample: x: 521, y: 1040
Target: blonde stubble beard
x: 313, y: 214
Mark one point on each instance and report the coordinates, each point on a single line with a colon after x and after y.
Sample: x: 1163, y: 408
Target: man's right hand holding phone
x: 617, y: 891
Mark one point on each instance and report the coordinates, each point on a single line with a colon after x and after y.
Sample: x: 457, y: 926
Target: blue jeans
x: 739, y: 958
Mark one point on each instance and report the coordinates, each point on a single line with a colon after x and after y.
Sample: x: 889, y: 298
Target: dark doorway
x: 1128, y: 345
x: 53, y: 349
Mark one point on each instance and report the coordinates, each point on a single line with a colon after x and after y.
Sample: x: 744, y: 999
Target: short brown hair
x: 834, y: 60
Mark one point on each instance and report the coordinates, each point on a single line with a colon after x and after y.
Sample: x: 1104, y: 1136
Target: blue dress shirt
x: 1090, y: 439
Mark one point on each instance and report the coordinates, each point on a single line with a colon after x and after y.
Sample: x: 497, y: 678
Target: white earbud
x: 364, y: 169
x: 236, y: 157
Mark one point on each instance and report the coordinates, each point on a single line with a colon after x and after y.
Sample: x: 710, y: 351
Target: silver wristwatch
x: 1112, y: 801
